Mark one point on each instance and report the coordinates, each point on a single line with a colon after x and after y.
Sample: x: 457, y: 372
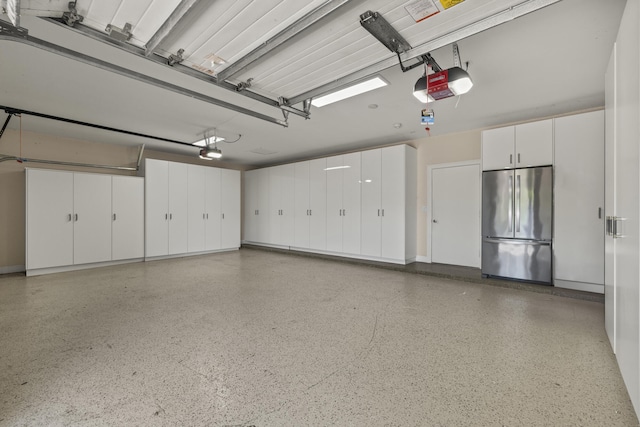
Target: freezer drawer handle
x: 519, y: 242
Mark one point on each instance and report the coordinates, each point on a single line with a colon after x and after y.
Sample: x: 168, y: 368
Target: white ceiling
x: 548, y: 62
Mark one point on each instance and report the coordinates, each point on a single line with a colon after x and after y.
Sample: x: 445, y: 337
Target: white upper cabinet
x: 534, y: 144
x: 229, y: 209
x: 520, y: 146
x: 498, y: 146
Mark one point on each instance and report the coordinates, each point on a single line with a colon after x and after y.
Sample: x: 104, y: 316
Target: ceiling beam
x: 506, y: 15
x: 283, y: 36
x: 20, y: 35
x: 168, y: 26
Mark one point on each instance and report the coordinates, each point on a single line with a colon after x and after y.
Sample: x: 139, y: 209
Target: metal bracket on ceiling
x: 285, y: 106
x: 6, y: 123
x: 244, y: 85
x: 122, y: 35
x: 384, y: 32
x: 426, y: 59
x: 72, y: 16
x: 175, y: 59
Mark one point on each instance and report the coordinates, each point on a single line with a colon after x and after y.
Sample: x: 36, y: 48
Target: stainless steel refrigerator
x: 517, y: 223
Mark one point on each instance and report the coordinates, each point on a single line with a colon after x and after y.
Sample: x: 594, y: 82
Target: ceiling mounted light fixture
x: 208, y: 152
x: 348, y: 92
x: 444, y: 84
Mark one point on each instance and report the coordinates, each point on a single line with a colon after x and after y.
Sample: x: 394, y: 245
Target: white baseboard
x: 12, y: 269
x: 50, y: 270
x: 579, y: 286
x: 161, y: 257
x: 422, y: 258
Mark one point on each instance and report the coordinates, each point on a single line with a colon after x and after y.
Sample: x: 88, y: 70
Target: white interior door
x: 455, y: 215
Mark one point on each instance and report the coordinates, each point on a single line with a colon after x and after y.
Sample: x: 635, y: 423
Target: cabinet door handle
x: 203, y: 216
x: 207, y: 215
x: 344, y: 212
x: 76, y: 217
x: 382, y: 212
x: 378, y: 212
x: 510, y: 159
x: 518, y: 157
x: 166, y: 217
x: 310, y: 212
x: 170, y: 216
x: 600, y: 213
x: 68, y: 217
x: 114, y: 216
x: 223, y: 216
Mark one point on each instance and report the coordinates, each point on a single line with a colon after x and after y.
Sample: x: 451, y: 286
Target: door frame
x: 430, y: 169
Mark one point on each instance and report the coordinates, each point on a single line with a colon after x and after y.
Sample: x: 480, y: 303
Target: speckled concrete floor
x: 268, y: 339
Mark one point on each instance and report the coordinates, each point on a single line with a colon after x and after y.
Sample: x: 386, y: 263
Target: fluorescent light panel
x: 203, y: 143
x: 348, y: 92
x: 337, y: 167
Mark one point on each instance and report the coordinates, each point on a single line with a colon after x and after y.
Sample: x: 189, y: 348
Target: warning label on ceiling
x: 448, y: 3
x: 423, y: 9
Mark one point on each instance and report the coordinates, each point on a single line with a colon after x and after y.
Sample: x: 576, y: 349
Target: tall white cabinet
x: 343, y: 203
x: 579, y: 202
x: 360, y: 205
x: 190, y: 208
x: 81, y: 219
x: 387, y: 207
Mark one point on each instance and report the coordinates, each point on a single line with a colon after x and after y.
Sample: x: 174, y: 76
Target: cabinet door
x: 196, y: 211
x: 49, y: 218
x: 251, y: 206
x: 275, y: 204
x: 212, y: 208
x: 286, y: 204
x: 301, y: 213
x: 351, y: 202
x: 127, y: 227
x: 264, y: 231
x: 579, y: 198
x: 371, y: 202
x: 534, y: 144
x: 178, y: 209
x: 318, y: 204
x: 393, y: 202
x: 230, y: 206
x: 92, y: 218
x: 498, y: 148
x: 156, y: 207
x: 334, y: 172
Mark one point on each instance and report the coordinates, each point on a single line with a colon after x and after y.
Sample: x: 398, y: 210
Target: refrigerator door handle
x: 519, y: 242
x: 510, y: 214
x: 518, y: 203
